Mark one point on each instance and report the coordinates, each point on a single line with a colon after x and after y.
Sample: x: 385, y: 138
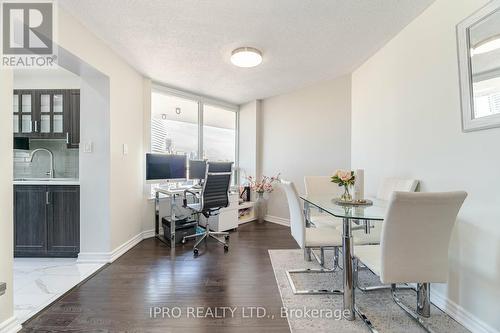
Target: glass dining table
x: 359, y: 215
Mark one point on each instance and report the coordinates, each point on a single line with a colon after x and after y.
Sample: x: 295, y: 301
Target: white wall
x: 94, y: 169
x: 306, y: 132
x: 6, y: 195
x: 249, y: 139
x: 406, y: 122
x: 45, y: 79
x: 126, y: 117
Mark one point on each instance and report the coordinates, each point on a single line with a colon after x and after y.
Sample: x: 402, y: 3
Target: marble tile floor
x: 40, y: 281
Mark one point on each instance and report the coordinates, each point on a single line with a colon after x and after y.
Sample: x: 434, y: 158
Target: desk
x: 170, y: 193
x: 375, y: 212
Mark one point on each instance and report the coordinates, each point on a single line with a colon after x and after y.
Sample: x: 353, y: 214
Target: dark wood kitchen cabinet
x: 46, y: 220
x: 47, y: 114
x: 74, y: 119
x: 63, y: 227
x: 30, y: 219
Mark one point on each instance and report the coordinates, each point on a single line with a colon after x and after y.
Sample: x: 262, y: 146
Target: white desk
x: 170, y: 193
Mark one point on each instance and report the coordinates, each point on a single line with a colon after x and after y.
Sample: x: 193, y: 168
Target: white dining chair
x: 388, y: 186
x: 414, y: 245
x: 308, y: 238
x: 322, y: 185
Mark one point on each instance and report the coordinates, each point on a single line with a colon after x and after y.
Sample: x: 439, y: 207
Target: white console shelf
x: 249, y: 215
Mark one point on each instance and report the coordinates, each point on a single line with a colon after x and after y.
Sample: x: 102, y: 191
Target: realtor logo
x: 28, y: 34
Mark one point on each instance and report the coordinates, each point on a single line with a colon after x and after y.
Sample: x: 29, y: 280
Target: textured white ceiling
x: 187, y: 43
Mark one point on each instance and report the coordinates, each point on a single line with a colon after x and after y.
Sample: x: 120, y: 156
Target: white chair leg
x: 396, y: 299
x: 307, y: 254
x: 408, y: 311
x: 355, y: 270
x: 336, y: 258
x: 423, y: 299
x: 374, y: 288
x: 366, y: 321
x: 310, y: 291
x: 321, y: 258
x: 321, y: 261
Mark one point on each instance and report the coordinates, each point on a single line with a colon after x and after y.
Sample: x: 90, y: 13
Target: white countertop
x: 46, y: 181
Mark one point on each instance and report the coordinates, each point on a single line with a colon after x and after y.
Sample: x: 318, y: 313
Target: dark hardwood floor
x: 120, y: 298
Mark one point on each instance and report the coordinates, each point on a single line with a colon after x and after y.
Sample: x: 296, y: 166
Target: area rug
x: 321, y: 313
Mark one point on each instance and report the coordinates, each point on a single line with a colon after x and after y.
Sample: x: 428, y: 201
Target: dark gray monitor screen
x: 197, y: 169
x: 164, y: 167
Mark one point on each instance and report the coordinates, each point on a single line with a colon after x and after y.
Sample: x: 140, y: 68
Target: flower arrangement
x: 264, y: 185
x: 346, y: 179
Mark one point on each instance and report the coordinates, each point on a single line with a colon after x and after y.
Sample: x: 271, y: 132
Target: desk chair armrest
x: 184, y: 201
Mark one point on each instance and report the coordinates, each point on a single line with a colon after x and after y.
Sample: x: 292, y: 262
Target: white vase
x: 260, y: 207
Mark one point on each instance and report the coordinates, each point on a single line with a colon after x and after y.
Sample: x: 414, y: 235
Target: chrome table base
x: 348, y: 276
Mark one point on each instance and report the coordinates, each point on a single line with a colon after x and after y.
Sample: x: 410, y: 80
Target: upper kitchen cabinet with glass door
x: 47, y: 114
x: 53, y: 109
x: 25, y: 122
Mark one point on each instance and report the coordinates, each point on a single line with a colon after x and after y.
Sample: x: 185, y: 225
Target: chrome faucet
x: 50, y: 173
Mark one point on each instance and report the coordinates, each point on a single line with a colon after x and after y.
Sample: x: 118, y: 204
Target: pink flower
x: 344, y: 175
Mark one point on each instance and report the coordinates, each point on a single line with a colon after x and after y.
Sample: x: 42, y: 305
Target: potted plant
x: 346, y: 179
x: 264, y: 185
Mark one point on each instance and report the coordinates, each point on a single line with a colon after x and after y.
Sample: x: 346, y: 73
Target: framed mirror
x: 478, y: 38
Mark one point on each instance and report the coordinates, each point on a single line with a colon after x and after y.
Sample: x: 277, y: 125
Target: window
x: 174, y: 125
x: 487, y: 97
x: 178, y: 123
x: 219, y: 134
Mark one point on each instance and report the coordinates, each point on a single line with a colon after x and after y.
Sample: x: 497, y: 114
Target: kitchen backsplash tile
x: 65, y: 160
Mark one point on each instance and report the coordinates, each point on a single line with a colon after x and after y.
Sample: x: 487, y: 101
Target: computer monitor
x: 197, y: 169
x: 163, y: 167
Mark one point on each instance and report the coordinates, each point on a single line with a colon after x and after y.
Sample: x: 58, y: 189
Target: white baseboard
x: 94, y: 257
x: 148, y: 234
x: 277, y: 220
x: 109, y: 257
x: 120, y: 250
x: 464, y: 317
x: 10, y: 325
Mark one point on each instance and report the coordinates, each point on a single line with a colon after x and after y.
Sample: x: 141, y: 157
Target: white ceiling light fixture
x: 246, y: 57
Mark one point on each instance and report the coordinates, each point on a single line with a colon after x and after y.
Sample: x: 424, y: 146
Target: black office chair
x: 214, y: 196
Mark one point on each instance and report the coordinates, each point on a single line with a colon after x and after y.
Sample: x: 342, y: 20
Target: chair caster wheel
x: 226, y: 248
x: 195, y: 251
x: 226, y: 237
